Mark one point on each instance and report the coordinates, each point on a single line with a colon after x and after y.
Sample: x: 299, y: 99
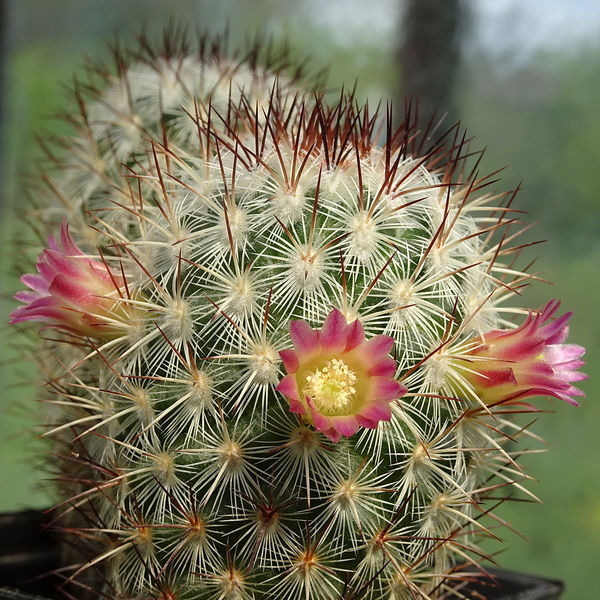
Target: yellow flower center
x: 331, y: 388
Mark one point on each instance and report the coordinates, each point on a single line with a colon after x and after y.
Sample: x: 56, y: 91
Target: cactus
x: 282, y: 359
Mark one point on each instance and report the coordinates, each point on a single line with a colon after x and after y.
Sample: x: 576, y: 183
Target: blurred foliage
x: 564, y: 531
x: 541, y: 120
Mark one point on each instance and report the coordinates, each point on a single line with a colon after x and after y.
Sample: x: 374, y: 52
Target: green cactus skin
x: 233, y: 200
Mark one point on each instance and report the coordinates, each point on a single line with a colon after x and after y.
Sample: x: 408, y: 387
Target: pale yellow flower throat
x: 331, y: 388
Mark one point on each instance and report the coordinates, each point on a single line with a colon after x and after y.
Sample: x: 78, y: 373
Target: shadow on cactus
x: 281, y: 355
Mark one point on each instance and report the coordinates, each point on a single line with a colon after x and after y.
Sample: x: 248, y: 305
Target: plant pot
x: 29, y: 555
x: 512, y: 585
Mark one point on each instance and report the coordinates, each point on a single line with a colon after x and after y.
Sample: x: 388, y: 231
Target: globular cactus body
x: 284, y: 364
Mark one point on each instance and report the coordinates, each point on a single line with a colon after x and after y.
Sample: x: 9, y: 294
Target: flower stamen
x: 331, y: 388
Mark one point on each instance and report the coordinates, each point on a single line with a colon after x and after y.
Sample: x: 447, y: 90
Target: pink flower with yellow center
x: 531, y: 360
x: 337, y: 380
x: 72, y: 292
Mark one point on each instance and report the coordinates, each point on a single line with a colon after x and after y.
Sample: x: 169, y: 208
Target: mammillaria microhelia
x: 286, y: 360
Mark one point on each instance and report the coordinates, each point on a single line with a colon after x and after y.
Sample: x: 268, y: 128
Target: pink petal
x: 37, y: 311
x: 46, y: 272
x: 493, y: 377
x: 289, y: 360
x: 379, y: 345
x: 560, y: 353
x: 305, y: 340
x: 556, y: 331
x: 289, y: 387
x: 36, y: 283
x: 19, y: 315
x: 364, y: 422
x: 355, y: 335
x: 572, y: 365
x: 499, y: 338
x: 524, y: 348
x: 549, y: 310
x: 297, y: 407
x: 385, y: 388
x: 538, y: 373
x: 53, y: 244
x: 560, y: 394
x: 27, y: 296
x: 571, y: 375
x: 372, y: 351
x: 347, y: 425
x: 69, y: 246
x: 377, y: 411
x: 568, y: 399
x: 386, y: 367
x: 333, y: 333
x: 59, y: 264
x: 332, y: 434
x: 560, y: 336
x: 573, y: 391
x: 42, y: 303
x: 321, y: 422
x: 514, y: 400
x: 73, y: 292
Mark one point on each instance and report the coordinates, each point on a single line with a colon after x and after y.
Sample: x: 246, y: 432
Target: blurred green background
x: 527, y: 87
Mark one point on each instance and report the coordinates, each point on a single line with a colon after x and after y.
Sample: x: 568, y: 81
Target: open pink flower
x: 336, y: 380
x: 72, y: 292
x: 531, y: 360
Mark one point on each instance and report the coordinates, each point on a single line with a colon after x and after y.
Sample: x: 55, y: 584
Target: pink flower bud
x: 336, y: 380
x: 73, y: 292
x: 532, y: 360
